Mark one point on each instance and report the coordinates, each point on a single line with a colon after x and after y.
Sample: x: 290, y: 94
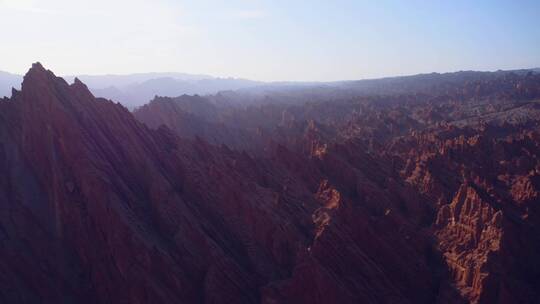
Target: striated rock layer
x: 421, y: 199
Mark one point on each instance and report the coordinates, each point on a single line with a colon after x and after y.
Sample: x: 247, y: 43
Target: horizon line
x: 279, y: 81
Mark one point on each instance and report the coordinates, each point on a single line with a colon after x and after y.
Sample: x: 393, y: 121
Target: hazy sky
x: 269, y: 40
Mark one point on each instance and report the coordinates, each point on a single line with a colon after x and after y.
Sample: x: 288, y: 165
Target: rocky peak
x: 42, y: 91
x: 37, y: 73
x: 40, y: 85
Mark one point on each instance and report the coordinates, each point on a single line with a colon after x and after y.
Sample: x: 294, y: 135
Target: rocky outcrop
x: 99, y: 208
x: 469, y: 232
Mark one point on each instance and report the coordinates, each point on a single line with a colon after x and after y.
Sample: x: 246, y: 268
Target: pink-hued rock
x: 366, y: 201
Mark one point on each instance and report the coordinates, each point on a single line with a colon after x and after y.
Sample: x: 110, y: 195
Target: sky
x: 276, y: 40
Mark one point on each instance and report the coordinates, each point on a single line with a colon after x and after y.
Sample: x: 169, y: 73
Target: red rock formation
x: 404, y: 199
x: 469, y: 234
x: 101, y: 209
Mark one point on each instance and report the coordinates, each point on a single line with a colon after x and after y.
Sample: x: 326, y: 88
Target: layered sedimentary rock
x: 470, y: 233
x: 98, y: 208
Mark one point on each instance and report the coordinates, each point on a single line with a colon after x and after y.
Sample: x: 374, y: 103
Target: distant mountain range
x: 137, y: 89
x: 134, y: 90
x: 8, y: 81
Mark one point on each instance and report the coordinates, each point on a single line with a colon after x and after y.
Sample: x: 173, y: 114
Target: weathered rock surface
x: 405, y: 199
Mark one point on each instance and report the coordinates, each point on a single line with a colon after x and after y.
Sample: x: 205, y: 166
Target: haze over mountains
x: 9, y: 81
x: 134, y: 90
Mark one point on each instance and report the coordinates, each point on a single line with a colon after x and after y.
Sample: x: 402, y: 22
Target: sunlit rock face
x: 409, y: 198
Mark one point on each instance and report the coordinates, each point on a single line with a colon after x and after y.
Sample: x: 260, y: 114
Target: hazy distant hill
x: 137, y: 94
x: 103, y: 81
x: 137, y: 89
x: 8, y: 81
x: 134, y: 90
x: 423, y: 83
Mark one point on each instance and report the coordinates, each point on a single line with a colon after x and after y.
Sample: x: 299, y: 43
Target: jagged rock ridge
x: 374, y: 200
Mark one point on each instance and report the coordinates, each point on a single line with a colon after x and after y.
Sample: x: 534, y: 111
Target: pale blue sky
x: 269, y: 40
